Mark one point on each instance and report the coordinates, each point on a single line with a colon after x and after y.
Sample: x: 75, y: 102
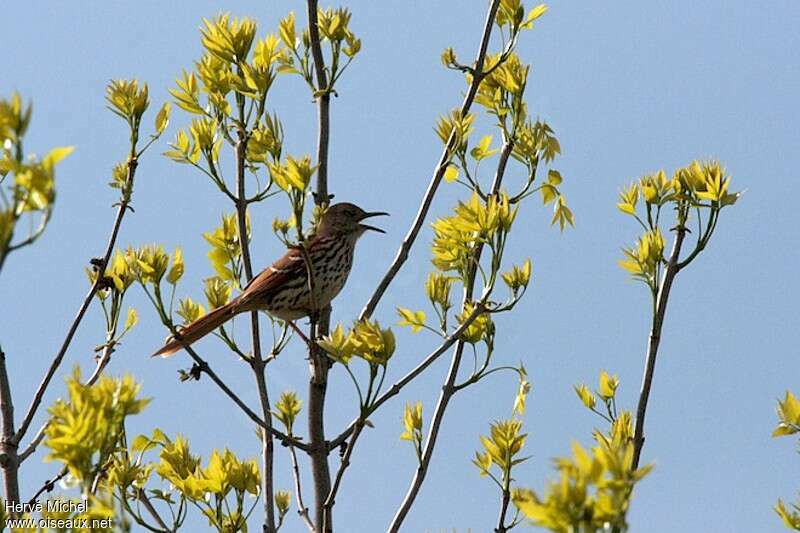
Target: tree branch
x: 302, y: 510
x: 654, y: 340
x: 31, y: 238
x: 257, y: 362
x: 438, y: 174
x: 331, y: 499
x: 395, y: 389
x: 448, y: 388
x: 427, y: 452
x: 47, y: 486
x: 501, y: 520
x: 54, y: 365
x: 9, y: 459
x: 102, y: 362
x: 34, y: 444
x: 323, y: 104
x: 206, y: 369
x: 319, y: 363
x: 151, y: 509
x: 702, y: 240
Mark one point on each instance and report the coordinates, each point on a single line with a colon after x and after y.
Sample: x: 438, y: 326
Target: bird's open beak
x: 369, y: 215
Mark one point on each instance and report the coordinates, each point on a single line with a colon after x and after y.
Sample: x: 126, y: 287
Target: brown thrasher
x: 283, y: 289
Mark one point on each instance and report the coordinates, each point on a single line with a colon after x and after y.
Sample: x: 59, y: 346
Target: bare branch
x: 142, y: 496
x: 47, y: 486
x: 501, y: 520
x: 320, y: 322
x: 323, y: 104
x: 438, y: 174
x: 102, y: 362
x: 331, y: 499
x: 9, y: 460
x: 448, y: 388
x: 653, y: 342
x: 30, y: 239
x: 702, y: 240
x: 395, y: 389
x: 206, y: 369
x: 257, y: 362
x: 34, y: 444
x: 56, y: 363
x: 302, y: 510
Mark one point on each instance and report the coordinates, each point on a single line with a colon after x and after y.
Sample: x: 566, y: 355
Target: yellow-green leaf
x: 162, y: 118
x: 608, y: 385
x: 482, y: 151
x: 414, y: 319
x: 56, y: 155
x: 451, y: 173
x: 585, y: 395
x: 177, y: 269
x: 131, y: 319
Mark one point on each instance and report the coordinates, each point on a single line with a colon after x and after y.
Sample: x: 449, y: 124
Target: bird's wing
x: 289, y: 267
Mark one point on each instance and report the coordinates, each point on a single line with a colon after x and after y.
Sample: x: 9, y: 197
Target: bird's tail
x: 198, y: 329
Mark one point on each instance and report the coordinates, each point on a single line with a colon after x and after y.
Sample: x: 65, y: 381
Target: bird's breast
x: 331, y: 262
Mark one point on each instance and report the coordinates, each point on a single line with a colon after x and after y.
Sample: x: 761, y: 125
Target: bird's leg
x: 299, y: 332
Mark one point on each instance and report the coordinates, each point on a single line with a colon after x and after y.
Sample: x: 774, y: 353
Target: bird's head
x: 345, y: 219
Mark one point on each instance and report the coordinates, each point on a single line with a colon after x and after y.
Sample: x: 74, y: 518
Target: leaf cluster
x: 116, y: 281
x: 287, y: 408
x: 788, y: 411
x: 129, y: 100
x: 225, y: 254
x: 698, y: 191
x: 31, y: 188
x: 412, y: 427
x: 367, y: 341
x: 219, y: 490
x: 594, y: 486
x: 502, y: 447
x: 334, y: 30
x: 86, y: 429
x: 227, y: 93
x: 484, y: 221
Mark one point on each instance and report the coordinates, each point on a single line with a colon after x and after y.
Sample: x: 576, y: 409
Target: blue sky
x: 629, y: 87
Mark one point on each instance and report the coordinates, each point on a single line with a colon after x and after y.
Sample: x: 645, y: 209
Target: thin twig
x: 33, y: 235
x: 653, y: 342
x: 448, y: 388
x: 34, y: 444
x: 302, y: 510
x: 206, y: 369
x: 702, y: 240
x: 56, y: 363
x: 331, y: 499
x: 47, y: 486
x: 257, y: 361
x: 102, y: 362
x: 152, y: 510
x: 438, y: 174
x: 501, y: 520
x: 395, y: 389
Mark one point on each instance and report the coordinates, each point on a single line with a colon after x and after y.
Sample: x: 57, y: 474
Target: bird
x: 282, y: 289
